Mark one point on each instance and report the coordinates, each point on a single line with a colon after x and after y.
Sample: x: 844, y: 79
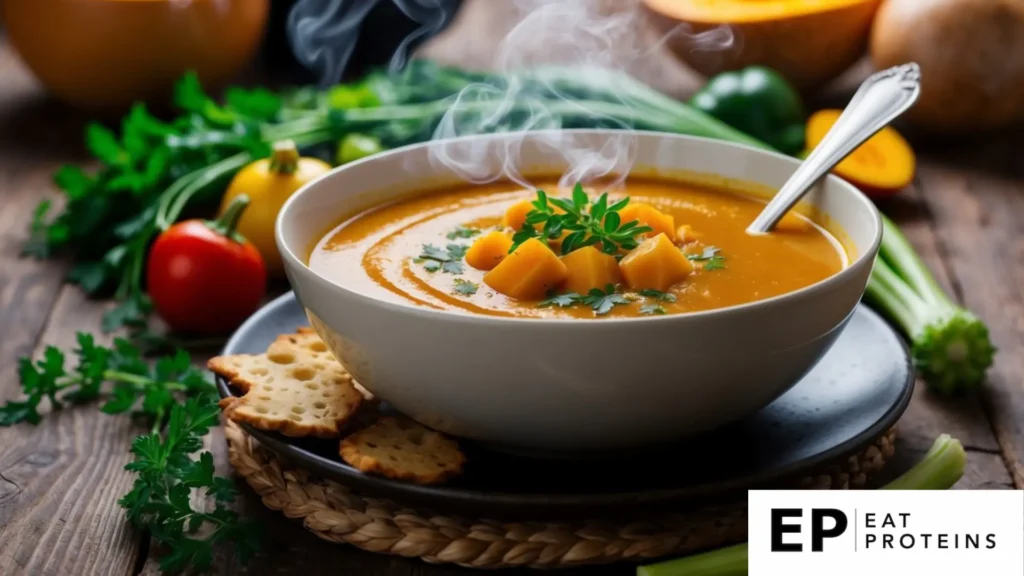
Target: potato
x: 590, y: 268
x: 528, y: 272
x: 655, y: 264
x: 488, y: 250
x: 971, y: 54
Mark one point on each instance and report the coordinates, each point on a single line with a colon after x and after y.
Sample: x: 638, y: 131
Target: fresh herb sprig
x: 148, y: 173
x: 465, y: 287
x: 601, y: 301
x: 447, y: 259
x: 658, y: 295
x: 129, y: 378
x: 709, y: 258
x: 589, y: 224
x: 179, y: 404
x: 167, y: 475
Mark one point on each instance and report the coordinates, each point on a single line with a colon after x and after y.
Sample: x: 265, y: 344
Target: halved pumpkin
x: 809, y: 42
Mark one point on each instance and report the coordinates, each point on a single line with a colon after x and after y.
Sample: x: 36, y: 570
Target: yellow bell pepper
x: 268, y: 183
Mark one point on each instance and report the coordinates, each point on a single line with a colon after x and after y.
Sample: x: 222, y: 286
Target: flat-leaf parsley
x: 448, y: 259
x: 465, y: 287
x: 166, y: 472
x: 658, y: 295
x: 599, y: 226
x: 709, y: 258
x: 602, y: 301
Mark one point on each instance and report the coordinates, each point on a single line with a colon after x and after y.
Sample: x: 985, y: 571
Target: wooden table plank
x: 66, y: 519
x: 974, y: 189
x: 56, y: 513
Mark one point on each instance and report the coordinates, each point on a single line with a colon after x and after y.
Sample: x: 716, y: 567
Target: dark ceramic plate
x: 857, y: 391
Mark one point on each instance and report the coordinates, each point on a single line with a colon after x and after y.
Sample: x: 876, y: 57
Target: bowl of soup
x: 535, y: 313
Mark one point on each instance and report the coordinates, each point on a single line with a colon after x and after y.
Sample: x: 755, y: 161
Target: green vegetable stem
x: 179, y: 405
x: 950, y: 345
x: 758, y: 101
x: 940, y: 469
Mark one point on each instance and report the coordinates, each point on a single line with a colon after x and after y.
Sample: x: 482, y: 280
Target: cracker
x: 307, y: 338
x: 293, y: 388
x: 401, y: 449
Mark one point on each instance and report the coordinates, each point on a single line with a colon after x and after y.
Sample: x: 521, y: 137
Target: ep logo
x: 820, y: 523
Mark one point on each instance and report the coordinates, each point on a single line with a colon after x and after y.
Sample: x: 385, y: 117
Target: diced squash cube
x: 590, y: 268
x: 528, y: 273
x: 515, y: 215
x: 648, y: 215
x: 655, y: 264
x: 489, y: 250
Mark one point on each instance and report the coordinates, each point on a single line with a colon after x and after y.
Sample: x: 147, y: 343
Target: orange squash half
x: 103, y: 55
x: 809, y: 42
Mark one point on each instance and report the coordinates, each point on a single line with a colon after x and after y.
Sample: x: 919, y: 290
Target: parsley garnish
x: 180, y: 404
x: 658, y: 295
x: 131, y: 378
x: 710, y: 258
x: 561, y: 300
x: 600, y: 226
x: 448, y: 259
x: 650, y: 309
x: 462, y: 232
x: 149, y: 172
x: 465, y: 287
x: 602, y: 301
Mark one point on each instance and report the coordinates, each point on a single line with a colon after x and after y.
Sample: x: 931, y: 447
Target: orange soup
x: 649, y: 247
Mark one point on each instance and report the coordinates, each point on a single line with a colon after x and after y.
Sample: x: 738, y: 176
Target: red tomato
x: 203, y: 277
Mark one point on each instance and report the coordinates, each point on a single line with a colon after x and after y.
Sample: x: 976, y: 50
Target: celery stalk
x: 950, y: 345
x: 940, y: 469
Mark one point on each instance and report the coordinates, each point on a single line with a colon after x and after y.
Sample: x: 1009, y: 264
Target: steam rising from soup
x: 589, y: 35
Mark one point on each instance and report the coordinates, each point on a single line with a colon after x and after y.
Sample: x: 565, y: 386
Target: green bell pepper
x: 758, y: 101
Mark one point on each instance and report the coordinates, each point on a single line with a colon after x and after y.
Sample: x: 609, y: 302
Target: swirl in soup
x: 649, y: 247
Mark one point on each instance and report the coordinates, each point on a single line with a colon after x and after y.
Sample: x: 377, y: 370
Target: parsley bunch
x: 600, y: 225
x: 160, y: 499
x: 179, y: 404
x: 147, y: 176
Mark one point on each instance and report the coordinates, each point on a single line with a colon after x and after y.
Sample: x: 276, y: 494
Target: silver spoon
x: 879, y: 100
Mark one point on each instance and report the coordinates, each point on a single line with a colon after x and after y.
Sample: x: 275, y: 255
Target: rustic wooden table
x: 60, y: 480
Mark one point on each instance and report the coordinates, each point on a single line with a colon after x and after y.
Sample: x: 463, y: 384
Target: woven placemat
x: 337, y: 514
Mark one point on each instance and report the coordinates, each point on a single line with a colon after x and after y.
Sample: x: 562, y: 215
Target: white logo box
x: 899, y: 532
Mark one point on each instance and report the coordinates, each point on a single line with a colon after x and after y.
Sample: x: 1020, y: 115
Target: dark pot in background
x: 381, y: 33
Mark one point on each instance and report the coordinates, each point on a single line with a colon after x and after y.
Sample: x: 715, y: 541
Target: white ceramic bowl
x: 563, y: 385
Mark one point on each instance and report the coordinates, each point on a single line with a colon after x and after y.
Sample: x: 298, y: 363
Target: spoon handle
x: 879, y: 100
